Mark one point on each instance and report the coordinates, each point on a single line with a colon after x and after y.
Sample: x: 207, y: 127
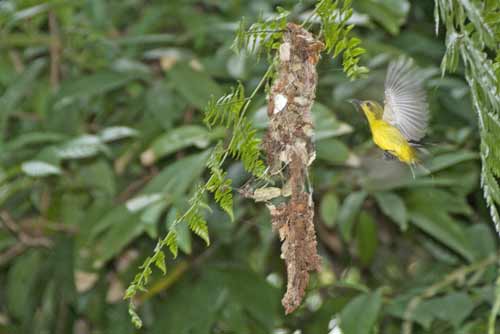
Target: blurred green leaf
x: 19, y: 89
x: 21, y: 281
x: 366, y: 238
x: 195, y: 86
x: 446, y: 160
x: 180, y: 138
x: 391, y: 14
x: 430, y: 210
x: 198, y: 300
x: 393, y: 207
x: 351, y: 206
x: 453, y: 308
x: 34, y: 138
x: 82, y: 147
x: 253, y: 293
x: 121, y: 225
x: 325, y: 123
x: 116, y: 132
x: 332, y: 150
x: 164, y: 104
x: 328, y: 208
x: 39, y: 169
x: 94, y: 84
x: 482, y: 240
x: 360, y: 315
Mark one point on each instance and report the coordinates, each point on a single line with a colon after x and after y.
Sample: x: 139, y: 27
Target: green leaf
x: 94, y: 84
x: 482, y: 240
x: 332, y: 150
x: 32, y: 139
x: 119, y: 227
x: 18, y: 89
x: 21, y: 282
x: 360, y: 315
x: 179, y: 138
x: 328, y: 208
x: 150, y: 217
x: 195, y: 86
x: 366, y: 237
x: 430, y: 210
x: 197, y: 299
x: 82, y: 147
x: 348, y: 212
x: 391, y: 14
x: 253, y: 293
x: 393, y: 207
x: 39, y: 168
x: 454, y: 308
x: 450, y: 159
x: 143, y: 201
x: 175, y: 179
x: 113, y: 133
x: 325, y: 123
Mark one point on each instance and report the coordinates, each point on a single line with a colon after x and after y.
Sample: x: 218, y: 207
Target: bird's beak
x: 356, y: 103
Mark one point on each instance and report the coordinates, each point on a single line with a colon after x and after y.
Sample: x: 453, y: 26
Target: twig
x: 133, y: 188
x: 25, y: 241
x: 13, y: 251
x: 55, y: 51
x: 17, y: 61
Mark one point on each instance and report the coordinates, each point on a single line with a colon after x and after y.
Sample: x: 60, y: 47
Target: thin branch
x: 25, y: 241
x: 55, y: 51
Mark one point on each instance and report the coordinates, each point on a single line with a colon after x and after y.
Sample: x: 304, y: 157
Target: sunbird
x: 398, y: 127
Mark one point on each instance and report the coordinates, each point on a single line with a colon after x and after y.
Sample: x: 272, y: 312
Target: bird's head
x: 372, y: 109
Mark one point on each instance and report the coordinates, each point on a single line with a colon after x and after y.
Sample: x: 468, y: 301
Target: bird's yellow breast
x: 390, y: 139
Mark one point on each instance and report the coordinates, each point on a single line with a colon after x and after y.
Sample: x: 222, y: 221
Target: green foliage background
x: 102, y: 145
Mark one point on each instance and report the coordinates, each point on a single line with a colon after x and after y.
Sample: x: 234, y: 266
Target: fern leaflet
x: 335, y: 31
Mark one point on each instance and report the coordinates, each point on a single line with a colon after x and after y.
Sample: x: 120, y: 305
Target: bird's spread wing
x: 405, y: 102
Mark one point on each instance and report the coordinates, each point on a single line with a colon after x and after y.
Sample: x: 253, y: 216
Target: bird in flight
x: 398, y: 127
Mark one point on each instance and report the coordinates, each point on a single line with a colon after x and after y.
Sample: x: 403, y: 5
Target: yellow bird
x: 398, y: 127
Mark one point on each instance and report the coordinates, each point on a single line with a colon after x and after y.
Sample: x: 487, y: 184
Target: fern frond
x: 226, y: 109
x: 198, y: 225
x: 262, y: 36
x: 470, y: 29
x: 160, y: 262
x: 218, y: 184
x: 245, y: 146
x: 335, y: 31
x: 171, y: 242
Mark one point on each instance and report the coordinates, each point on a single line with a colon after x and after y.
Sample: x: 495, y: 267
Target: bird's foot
x: 389, y: 156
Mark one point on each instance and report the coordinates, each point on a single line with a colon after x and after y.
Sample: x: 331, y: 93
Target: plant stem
x: 495, y: 309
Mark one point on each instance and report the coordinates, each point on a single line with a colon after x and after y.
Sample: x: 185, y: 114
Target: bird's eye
x: 368, y: 104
